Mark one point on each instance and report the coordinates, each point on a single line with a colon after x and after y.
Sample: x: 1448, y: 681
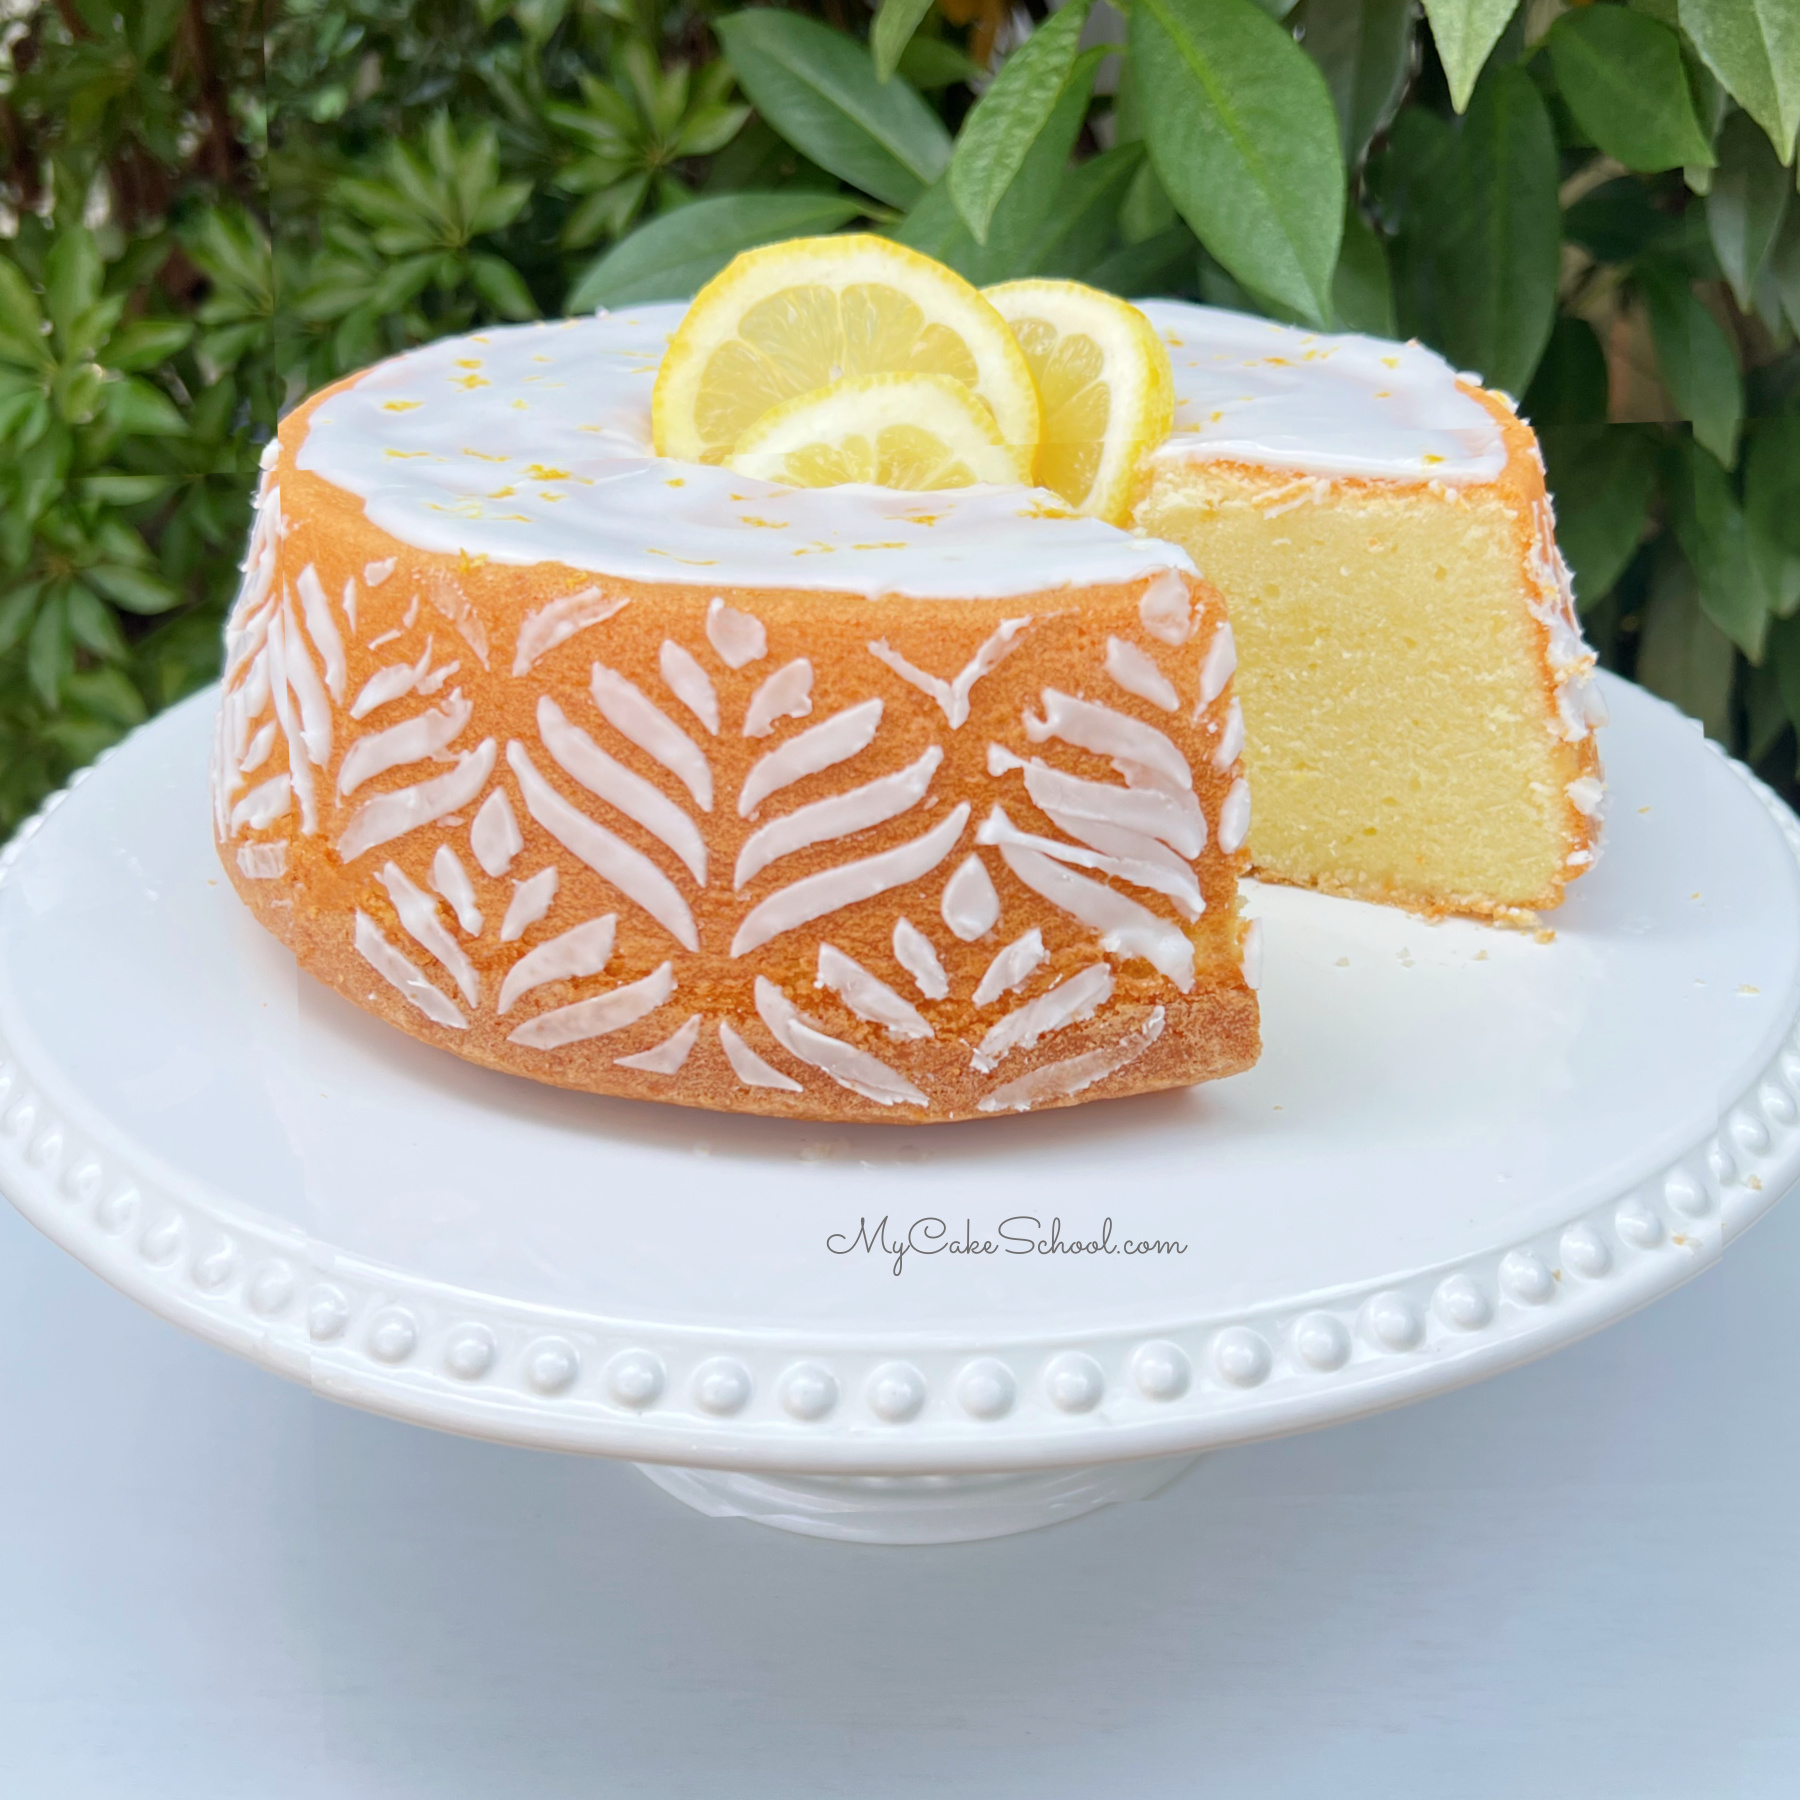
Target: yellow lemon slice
x: 1104, y: 385
x: 791, y: 318
x: 916, y: 432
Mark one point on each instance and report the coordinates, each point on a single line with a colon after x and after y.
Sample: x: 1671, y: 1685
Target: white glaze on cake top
x: 1250, y: 390
x: 531, y: 443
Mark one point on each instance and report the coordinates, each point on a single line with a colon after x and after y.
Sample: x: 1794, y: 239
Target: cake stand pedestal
x: 1463, y: 1147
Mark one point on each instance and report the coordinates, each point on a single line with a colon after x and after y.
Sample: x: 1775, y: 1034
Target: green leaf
x: 1162, y: 265
x: 819, y: 89
x: 1618, y: 221
x: 1082, y: 222
x: 1465, y: 32
x: 1747, y: 205
x: 72, y: 276
x: 47, y: 654
x: 1364, y: 51
x: 671, y: 258
x: 1362, y: 290
x: 929, y: 64
x: 1753, y: 46
x: 1682, y: 655
x: 1498, y: 233
x: 92, y: 625
x: 18, y: 607
x: 502, y: 287
x: 20, y: 315
x: 1698, y: 365
x: 1602, y: 480
x: 1241, y: 130
x: 893, y: 30
x: 1784, y: 267
x: 136, y: 590
x: 935, y: 227
x: 1569, y: 391
x: 1772, y: 480
x: 1009, y: 118
x: 1784, y: 654
x: 146, y: 343
x: 1621, y: 75
x: 140, y: 410
x: 1709, y: 524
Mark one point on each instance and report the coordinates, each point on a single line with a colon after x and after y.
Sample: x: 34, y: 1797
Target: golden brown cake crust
x: 411, y: 607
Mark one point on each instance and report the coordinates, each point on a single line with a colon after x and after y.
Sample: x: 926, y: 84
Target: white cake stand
x: 1463, y: 1147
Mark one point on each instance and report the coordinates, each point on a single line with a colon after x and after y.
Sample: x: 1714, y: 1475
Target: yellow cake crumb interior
x: 1394, y: 695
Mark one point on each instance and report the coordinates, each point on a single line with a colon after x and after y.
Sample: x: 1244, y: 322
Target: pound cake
x: 651, y: 778
x: 1418, y: 704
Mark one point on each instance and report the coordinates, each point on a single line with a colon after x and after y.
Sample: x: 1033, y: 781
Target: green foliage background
x: 210, y: 207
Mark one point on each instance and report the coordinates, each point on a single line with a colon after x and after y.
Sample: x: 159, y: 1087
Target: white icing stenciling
x: 412, y: 740
x: 736, y: 636
x: 868, y: 996
x: 309, y: 690
x: 618, y: 786
x: 787, y: 694
x: 611, y: 858
x: 495, y: 837
x: 395, y: 969
x: 1126, y: 928
x: 1218, y: 668
x: 913, y: 951
x: 390, y: 683
x: 689, y: 683
x: 263, y: 805
x: 263, y: 862
x: 1012, y: 967
x: 819, y: 747
x: 1064, y: 1080
x: 1137, y: 674
x: 583, y: 949
x: 270, y: 454
x: 375, y: 573
x: 1231, y: 739
x: 450, y: 601
x: 349, y: 612
x: 299, y: 769
x: 1174, y: 818
x: 451, y: 880
x: 549, y: 461
x: 971, y: 904
x: 750, y: 1068
x: 848, y: 1066
x: 1248, y: 390
x: 1145, y: 756
x: 1253, y: 955
x: 556, y: 623
x: 420, y: 921
x: 323, y: 627
x: 668, y: 1057
x: 392, y: 815
x: 1144, y: 862
x: 829, y: 891
x: 1234, y: 817
x: 605, y: 1013
x: 1077, y: 998
x: 841, y: 815
x: 634, y: 715
x: 531, y: 899
x: 1585, y: 795
x: 953, y: 696
x: 1165, y: 611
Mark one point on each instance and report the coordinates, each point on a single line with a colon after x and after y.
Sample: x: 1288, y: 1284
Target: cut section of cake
x: 1418, y: 706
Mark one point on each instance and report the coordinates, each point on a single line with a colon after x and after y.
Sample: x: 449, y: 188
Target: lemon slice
x: 916, y: 432
x: 1104, y: 385
x: 791, y: 318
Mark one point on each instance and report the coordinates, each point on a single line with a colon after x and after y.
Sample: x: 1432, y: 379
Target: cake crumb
x: 1343, y: 962
x: 1481, y: 956
x: 1643, y: 809
x: 1746, y: 988
x: 1753, y: 1183
x: 1544, y: 937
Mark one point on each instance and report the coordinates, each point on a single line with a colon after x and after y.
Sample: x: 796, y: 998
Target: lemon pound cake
x: 654, y: 778
x: 1418, y: 706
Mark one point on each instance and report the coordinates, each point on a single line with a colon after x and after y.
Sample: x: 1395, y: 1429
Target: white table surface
x: 1582, y: 1579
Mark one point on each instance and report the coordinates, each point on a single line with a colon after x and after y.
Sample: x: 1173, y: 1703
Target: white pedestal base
x: 916, y: 1509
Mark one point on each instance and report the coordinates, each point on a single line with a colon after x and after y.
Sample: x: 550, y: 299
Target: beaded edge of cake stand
x: 541, y: 1377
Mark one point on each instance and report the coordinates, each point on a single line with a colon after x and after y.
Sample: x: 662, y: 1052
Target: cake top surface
x: 1250, y: 390
x: 531, y: 443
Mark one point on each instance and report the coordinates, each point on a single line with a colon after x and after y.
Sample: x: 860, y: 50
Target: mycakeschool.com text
x: 1020, y: 1235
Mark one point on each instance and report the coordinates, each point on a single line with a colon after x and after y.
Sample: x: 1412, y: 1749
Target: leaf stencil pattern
x: 551, y: 880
